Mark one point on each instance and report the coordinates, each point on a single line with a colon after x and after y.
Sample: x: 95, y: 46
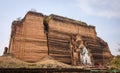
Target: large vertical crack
x: 46, y: 29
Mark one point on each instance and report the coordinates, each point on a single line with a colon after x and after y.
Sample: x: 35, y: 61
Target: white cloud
x: 103, y: 8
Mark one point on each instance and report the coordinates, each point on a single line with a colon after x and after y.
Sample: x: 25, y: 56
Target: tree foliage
x: 115, y: 62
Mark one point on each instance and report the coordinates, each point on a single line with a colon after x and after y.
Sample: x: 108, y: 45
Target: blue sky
x: 104, y: 14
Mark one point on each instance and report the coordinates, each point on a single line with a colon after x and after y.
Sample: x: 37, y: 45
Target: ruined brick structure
x: 37, y: 36
x: 28, y: 41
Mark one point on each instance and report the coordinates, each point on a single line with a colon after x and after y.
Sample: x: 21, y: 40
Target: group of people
x: 79, y: 53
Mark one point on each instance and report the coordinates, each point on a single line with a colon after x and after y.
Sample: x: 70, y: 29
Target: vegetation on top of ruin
x: 80, y: 22
x: 46, y: 19
x: 67, y: 20
x: 55, y: 17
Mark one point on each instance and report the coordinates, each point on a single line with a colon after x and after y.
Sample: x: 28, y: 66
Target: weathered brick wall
x: 70, y: 28
x: 99, y: 49
x: 60, y: 31
x: 32, y: 38
x: 28, y: 41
